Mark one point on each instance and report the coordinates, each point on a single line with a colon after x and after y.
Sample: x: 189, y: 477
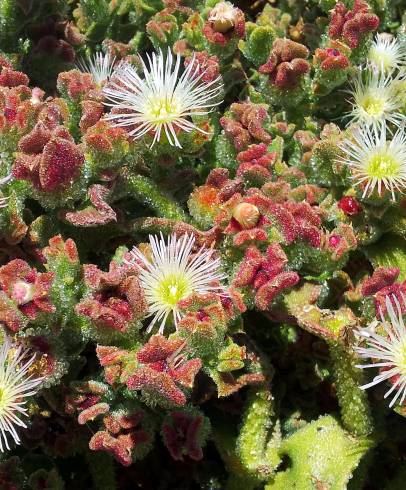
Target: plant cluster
x: 202, y: 244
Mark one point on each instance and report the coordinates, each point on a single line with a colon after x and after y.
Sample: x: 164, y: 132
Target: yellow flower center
x: 400, y: 358
x: 163, y: 110
x: 383, y: 165
x: 3, y: 400
x: 373, y: 105
x: 172, y: 288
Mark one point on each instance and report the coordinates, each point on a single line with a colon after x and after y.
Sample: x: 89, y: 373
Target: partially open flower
x: 23, y: 292
x: 223, y: 16
x: 225, y: 23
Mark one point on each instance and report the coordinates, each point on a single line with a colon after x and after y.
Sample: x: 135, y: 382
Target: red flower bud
x: 334, y: 240
x: 349, y: 205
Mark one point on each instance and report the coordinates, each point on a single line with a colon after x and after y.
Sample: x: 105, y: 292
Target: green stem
x: 258, y: 452
x: 75, y: 113
x: 101, y: 466
x: 156, y: 225
x: 148, y: 193
x: 355, y: 410
x: 166, y: 226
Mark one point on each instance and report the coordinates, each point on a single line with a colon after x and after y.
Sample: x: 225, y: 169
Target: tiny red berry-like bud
x: 333, y: 52
x: 334, y: 240
x: 349, y: 205
x: 10, y: 114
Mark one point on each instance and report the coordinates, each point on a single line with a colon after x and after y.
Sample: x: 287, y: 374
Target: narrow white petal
x: 100, y: 66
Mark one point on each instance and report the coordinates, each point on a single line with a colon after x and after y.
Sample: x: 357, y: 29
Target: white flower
x: 161, y: 101
x: 100, y: 66
x: 374, y: 161
x: 173, y: 273
x: 376, y: 97
x: 387, y: 53
x: 389, y: 350
x: 16, y: 384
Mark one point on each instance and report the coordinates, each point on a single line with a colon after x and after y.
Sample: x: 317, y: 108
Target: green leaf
x: 390, y: 251
x: 322, y: 455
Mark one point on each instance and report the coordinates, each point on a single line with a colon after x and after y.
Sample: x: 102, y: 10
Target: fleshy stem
x: 252, y: 457
x: 355, y: 410
x: 257, y: 450
x: 155, y: 225
x: 101, y: 467
x: 147, y: 192
x: 166, y: 226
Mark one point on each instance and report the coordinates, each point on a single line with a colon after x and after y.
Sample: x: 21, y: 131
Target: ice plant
x: 375, y: 98
x: 389, y: 350
x: 387, y: 53
x: 376, y: 162
x: 16, y: 384
x: 174, y: 273
x: 100, y: 66
x: 163, y: 101
x: 279, y: 239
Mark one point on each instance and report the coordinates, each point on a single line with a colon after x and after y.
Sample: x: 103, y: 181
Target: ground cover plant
x: 202, y: 244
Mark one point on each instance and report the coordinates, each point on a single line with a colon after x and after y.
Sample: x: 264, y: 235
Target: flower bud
x: 223, y: 17
x: 246, y: 214
x: 349, y: 205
